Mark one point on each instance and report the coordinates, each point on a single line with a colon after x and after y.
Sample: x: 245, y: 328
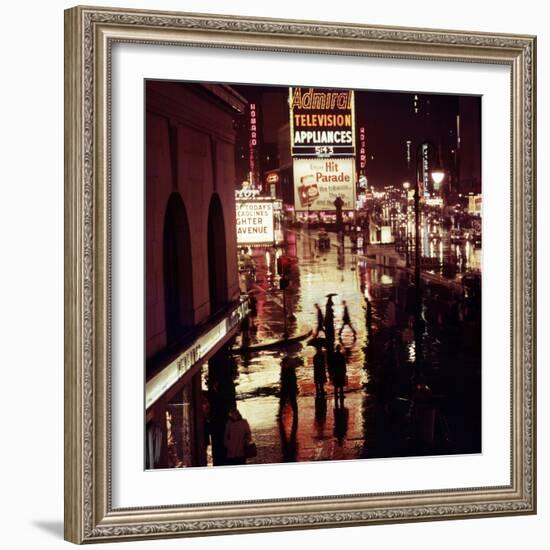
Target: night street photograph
x: 313, y: 274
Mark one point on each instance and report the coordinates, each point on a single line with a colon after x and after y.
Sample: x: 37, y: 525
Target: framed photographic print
x: 300, y: 282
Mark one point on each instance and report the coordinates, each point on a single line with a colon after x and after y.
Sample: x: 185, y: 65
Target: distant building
x: 285, y: 165
x: 474, y: 204
x: 469, y: 145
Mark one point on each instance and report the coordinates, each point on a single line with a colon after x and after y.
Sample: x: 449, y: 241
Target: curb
x: 273, y: 343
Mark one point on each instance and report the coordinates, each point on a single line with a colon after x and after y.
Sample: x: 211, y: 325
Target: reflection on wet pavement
x: 290, y: 423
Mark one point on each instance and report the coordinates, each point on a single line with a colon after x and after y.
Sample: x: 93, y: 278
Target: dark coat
x: 338, y: 369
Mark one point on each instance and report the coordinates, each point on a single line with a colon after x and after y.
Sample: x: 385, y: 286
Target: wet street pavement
x: 390, y: 408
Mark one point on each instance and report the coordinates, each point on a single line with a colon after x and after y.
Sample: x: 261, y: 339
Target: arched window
x: 178, y: 276
x: 217, y: 261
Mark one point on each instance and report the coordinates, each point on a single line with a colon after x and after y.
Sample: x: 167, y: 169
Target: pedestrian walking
x: 346, y: 321
x: 319, y: 371
x: 245, y: 331
x: 253, y: 305
x: 329, y: 319
x: 237, y: 438
x: 320, y: 321
x: 338, y: 375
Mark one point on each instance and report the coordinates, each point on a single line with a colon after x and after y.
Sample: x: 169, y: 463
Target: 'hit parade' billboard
x: 317, y: 183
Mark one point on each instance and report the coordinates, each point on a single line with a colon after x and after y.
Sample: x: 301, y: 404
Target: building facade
x: 192, y: 298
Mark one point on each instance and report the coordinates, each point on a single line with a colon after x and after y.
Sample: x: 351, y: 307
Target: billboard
x: 254, y: 221
x: 317, y: 183
x: 322, y: 122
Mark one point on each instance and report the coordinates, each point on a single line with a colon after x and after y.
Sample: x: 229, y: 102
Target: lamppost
x: 338, y: 204
x: 425, y: 153
x: 406, y: 186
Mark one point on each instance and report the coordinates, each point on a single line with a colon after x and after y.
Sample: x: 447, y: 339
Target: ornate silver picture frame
x: 90, y: 35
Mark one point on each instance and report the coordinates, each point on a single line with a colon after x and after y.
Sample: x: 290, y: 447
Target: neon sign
x: 322, y: 122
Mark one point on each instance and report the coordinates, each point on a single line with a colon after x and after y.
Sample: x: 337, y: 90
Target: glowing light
x: 437, y: 176
x: 197, y: 350
x: 367, y: 293
x: 411, y: 352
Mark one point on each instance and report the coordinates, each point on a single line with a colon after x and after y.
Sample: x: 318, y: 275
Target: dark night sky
x: 389, y: 119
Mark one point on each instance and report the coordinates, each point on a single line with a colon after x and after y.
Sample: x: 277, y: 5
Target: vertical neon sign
x: 253, y: 144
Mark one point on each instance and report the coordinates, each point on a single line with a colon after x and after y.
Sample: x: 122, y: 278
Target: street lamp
x: 438, y: 175
x: 425, y: 153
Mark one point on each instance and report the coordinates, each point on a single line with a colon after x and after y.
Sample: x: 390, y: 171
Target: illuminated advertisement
x: 253, y: 144
x: 254, y: 221
x: 317, y: 183
x: 362, y: 150
x: 322, y: 122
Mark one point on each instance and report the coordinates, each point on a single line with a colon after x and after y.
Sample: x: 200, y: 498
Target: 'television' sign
x: 322, y: 122
x: 318, y: 182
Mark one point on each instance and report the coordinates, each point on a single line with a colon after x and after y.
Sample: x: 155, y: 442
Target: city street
x: 313, y: 274
x: 382, y: 415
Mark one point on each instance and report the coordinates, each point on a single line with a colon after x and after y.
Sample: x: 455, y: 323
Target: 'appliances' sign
x: 322, y: 122
x: 254, y: 222
x: 317, y: 183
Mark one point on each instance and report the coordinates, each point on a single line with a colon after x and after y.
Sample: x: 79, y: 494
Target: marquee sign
x: 247, y: 193
x: 322, y: 122
x: 254, y: 221
x: 199, y: 350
